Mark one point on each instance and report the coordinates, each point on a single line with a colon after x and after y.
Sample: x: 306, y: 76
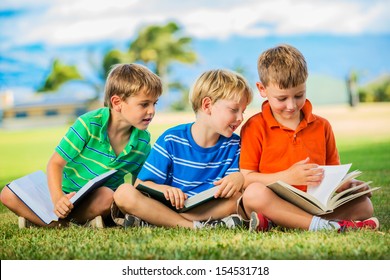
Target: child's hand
x: 63, y: 206
x: 353, y: 183
x: 304, y: 173
x: 229, y: 185
x: 176, y: 196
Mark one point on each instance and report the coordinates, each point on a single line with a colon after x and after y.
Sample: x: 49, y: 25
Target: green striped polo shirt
x: 87, y: 150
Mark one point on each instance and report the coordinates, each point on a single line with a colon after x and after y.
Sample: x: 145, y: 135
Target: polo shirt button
x: 112, y: 159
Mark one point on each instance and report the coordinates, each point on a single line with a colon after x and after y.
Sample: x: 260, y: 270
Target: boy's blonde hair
x: 283, y: 65
x: 127, y: 80
x: 219, y: 84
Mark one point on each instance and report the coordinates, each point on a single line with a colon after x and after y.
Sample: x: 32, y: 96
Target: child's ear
x: 206, y: 105
x: 261, y: 88
x: 116, y: 103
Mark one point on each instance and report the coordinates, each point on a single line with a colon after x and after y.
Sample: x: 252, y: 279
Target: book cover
x: 189, y: 203
x: 33, y: 191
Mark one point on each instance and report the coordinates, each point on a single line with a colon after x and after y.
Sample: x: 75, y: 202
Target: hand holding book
x: 189, y: 203
x: 336, y: 189
x: 303, y: 173
x: 229, y: 185
x: 64, y: 206
x: 176, y: 196
x: 355, y: 184
x: 33, y: 190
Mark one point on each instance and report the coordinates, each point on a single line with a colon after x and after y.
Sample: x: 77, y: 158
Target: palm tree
x: 159, y: 46
x: 352, y: 80
x: 59, y: 74
x: 156, y: 46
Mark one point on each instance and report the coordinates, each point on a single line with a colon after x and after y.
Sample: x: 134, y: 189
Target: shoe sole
x: 254, y: 222
x: 129, y: 221
x: 237, y: 223
x: 96, y: 222
x: 376, y: 223
x: 99, y: 222
x: 21, y: 222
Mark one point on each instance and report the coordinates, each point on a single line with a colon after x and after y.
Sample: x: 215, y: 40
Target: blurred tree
x: 160, y: 46
x: 352, y: 80
x: 156, y: 46
x: 182, y: 103
x: 376, y: 91
x: 113, y: 57
x: 59, y: 74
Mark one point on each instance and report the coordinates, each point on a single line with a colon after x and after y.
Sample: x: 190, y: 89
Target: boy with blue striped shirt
x: 190, y: 158
x: 112, y: 137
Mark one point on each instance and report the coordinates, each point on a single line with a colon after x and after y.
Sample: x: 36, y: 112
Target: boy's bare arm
x: 62, y: 204
x: 300, y: 173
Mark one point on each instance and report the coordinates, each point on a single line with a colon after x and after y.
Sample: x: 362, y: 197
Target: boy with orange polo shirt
x: 287, y: 142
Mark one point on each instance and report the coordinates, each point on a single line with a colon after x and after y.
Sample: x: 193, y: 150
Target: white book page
x: 333, y: 175
x: 200, y: 197
x: 34, y: 192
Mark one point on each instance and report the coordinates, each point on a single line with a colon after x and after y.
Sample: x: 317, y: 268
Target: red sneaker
x: 259, y: 222
x: 371, y: 223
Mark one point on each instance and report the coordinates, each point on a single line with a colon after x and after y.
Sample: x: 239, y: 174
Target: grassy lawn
x: 25, y: 151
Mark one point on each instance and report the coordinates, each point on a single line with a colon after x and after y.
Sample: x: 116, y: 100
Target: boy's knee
x: 123, y: 194
x: 253, y: 195
x: 6, y: 196
x: 368, y: 209
x: 252, y: 191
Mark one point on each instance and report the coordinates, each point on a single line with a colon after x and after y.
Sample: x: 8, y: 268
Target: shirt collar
x: 105, y: 117
x: 272, y: 122
x: 134, y: 136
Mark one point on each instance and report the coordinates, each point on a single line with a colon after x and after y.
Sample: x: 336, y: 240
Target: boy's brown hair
x: 127, y: 80
x: 219, y: 84
x: 283, y: 66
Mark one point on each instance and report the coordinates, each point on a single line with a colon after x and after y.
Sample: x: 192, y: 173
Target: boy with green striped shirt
x: 112, y: 137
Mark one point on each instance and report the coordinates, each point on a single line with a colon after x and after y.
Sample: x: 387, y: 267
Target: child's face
x: 286, y: 104
x: 227, y: 115
x: 139, y: 110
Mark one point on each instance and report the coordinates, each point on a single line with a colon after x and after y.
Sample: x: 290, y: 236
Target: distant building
x: 40, y: 107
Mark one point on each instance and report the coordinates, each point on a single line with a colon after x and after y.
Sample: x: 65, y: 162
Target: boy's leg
x: 357, y: 209
x: 215, y: 209
x: 260, y: 199
x: 13, y: 203
x: 97, y: 203
x: 131, y: 201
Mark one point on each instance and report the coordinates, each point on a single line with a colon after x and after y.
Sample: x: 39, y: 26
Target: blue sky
x: 34, y: 32
x: 63, y: 22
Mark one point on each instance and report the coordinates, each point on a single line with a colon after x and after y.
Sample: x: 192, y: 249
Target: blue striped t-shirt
x: 176, y: 160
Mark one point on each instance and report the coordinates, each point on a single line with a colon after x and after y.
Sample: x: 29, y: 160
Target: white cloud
x: 61, y: 22
x: 284, y: 17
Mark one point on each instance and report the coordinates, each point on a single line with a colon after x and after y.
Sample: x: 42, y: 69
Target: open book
x: 323, y: 199
x: 33, y: 190
x: 189, y: 203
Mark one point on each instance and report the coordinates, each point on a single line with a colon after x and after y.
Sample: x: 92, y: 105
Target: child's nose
x: 291, y: 104
x: 240, y: 117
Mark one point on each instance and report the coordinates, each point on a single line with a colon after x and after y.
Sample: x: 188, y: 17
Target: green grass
x: 22, y: 152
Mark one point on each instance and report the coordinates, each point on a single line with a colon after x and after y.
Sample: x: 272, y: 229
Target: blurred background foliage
x: 159, y: 47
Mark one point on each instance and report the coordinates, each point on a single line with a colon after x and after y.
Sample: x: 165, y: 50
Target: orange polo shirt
x: 268, y: 147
